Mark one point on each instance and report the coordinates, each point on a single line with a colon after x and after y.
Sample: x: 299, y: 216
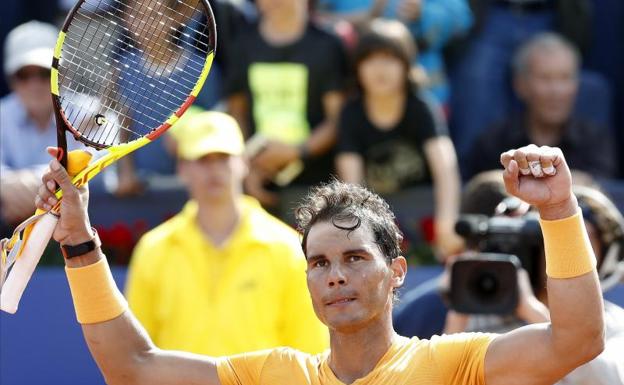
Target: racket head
x: 126, y: 70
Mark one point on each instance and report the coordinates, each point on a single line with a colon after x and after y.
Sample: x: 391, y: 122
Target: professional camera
x: 486, y: 282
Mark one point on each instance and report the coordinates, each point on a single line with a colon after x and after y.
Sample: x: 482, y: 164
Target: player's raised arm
x: 544, y: 353
x: 119, y: 344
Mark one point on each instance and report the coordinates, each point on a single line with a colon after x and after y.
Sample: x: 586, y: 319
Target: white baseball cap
x: 31, y: 43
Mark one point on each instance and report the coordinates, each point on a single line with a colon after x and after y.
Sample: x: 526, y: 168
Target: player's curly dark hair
x: 347, y: 207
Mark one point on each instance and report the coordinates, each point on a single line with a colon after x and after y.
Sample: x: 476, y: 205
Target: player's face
x: 215, y: 176
x: 549, y: 85
x: 350, y: 282
x: 382, y: 73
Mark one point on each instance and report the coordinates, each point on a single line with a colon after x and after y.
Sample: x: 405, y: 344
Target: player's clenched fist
x: 540, y: 177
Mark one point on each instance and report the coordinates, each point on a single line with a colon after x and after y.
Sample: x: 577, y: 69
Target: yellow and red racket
x: 123, y: 72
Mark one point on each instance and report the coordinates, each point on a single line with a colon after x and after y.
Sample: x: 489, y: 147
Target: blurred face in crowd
x: 281, y: 8
x: 548, y: 85
x: 150, y: 36
x: 350, y: 281
x: 382, y: 73
x: 214, y: 177
x: 32, y: 86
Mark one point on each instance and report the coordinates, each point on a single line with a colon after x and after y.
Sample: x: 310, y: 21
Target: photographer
x: 605, y: 226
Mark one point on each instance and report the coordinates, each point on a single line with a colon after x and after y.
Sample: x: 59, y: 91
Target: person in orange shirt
x: 351, y: 244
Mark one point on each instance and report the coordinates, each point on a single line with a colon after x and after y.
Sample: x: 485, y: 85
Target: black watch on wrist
x: 71, y: 251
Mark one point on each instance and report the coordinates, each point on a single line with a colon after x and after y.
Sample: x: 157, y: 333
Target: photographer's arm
x: 544, y: 353
x: 121, y: 347
x: 529, y: 309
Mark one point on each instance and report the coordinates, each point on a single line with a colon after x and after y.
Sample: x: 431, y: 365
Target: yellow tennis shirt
x: 456, y: 359
x: 249, y: 294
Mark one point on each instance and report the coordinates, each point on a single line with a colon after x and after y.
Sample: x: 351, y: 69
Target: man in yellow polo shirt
x: 351, y: 244
x: 222, y: 276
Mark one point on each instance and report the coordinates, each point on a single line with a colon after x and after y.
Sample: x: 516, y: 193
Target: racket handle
x: 24, y: 266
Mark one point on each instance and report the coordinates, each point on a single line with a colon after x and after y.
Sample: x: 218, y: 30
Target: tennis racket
x: 123, y: 72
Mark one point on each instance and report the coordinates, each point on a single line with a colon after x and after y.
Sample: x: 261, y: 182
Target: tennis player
x: 351, y: 245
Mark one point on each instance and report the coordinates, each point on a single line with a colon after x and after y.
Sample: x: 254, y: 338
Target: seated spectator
x: 285, y: 84
x: 390, y: 138
x: 546, y: 80
x: 222, y: 276
x: 432, y: 25
x: 605, y: 226
x: 479, y: 68
x: 26, y: 119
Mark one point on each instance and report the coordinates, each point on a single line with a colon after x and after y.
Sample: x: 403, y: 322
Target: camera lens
x: 485, y: 286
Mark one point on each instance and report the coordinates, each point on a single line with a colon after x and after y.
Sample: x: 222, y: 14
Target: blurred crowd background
x: 415, y: 99
x: 488, y: 75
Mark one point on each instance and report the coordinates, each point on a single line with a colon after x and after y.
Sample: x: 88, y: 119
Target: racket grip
x: 25, y: 264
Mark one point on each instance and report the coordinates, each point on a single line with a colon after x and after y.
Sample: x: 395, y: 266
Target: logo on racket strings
x: 100, y: 119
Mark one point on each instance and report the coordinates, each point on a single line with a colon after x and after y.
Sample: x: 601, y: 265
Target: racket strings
x: 143, y: 88
x: 127, y: 66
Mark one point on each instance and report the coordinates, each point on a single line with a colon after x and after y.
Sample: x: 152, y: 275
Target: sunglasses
x: 26, y: 74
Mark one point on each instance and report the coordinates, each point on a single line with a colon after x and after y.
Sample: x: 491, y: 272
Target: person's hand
x: 447, y: 241
x: 74, y: 226
x: 254, y: 186
x: 529, y: 308
x: 128, y: 184
x: 275, y: 156
x: 409, y: 10
x: 18, y: 192
x: 540, y: 177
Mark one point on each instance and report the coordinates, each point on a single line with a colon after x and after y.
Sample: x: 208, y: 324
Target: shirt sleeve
x: 348, y: 138
x: 242, y: 369
x: 429, y: 118
x: 336, y: 68
x: 236, y: 75
x: 460, y: 358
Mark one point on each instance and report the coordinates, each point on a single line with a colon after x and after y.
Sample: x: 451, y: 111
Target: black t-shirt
x: 394, y: 158
x: 285, y: 86
x: 586, y: 147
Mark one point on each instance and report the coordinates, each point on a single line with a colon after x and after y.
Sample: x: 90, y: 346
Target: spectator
x: 480, y: 67
x: 16, y: 12
x: 389, y: 137
x: 26, y: 112
x: 285, y: 84
x: 432, y: 24
x: 222, y: 276
x: 546, y: 80
x: 605, y: 226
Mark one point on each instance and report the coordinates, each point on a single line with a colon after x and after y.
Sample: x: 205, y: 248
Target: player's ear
x: 398, y: 266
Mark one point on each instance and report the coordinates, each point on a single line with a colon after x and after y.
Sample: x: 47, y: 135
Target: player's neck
x: 218, y: 221
x: 354, y: 355
x: 278, y: 30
